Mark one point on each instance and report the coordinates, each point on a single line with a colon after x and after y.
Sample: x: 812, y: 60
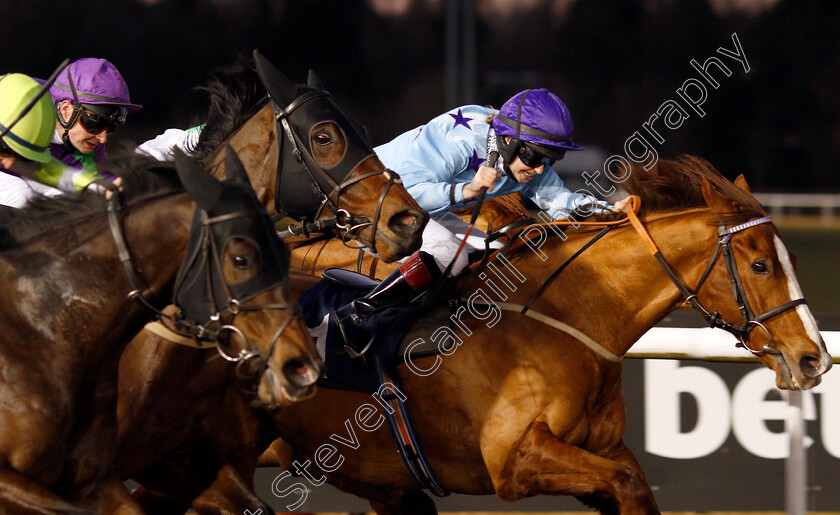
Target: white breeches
x: 442, y: 237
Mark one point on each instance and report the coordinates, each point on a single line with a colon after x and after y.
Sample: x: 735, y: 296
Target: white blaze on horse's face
x: 796, y: 292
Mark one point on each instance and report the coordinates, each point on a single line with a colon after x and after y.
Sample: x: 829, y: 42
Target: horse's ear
x: 279, y: 87
x: 234, y: 167
x: 205, y: 189
x: 741, y: 182
x: 313, y: 81
x: 715, y: 199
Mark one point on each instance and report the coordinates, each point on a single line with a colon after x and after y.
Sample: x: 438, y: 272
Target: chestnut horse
x: 68, y: 317
x: 520, y: 414
x: 153, y: 422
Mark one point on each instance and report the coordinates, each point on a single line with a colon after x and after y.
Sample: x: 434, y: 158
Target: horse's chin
x: 791, y: 378
x: 390, y: 250
x: 274, y: 392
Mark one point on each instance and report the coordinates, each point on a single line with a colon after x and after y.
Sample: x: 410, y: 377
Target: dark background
x: 612, y: 62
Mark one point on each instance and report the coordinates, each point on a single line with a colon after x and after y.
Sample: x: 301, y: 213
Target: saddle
x: 391, y: 326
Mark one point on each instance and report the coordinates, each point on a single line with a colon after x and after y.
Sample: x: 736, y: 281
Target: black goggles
x: 98, y: 118
x: 532, y: 158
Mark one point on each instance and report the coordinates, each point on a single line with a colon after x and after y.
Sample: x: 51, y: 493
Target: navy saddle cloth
x: 389, y: 325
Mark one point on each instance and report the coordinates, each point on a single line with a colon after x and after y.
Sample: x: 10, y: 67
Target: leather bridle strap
x: 124, y: 254
x: 562, y: 267
x: 309, y: 164
x: 714, y: 318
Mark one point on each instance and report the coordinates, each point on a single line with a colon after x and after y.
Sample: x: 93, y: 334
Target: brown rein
x: 713, y: 318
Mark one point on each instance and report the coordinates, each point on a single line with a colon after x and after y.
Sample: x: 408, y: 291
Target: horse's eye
x: 323, y: 138
x: 760, y: 267
x: 241, y: 262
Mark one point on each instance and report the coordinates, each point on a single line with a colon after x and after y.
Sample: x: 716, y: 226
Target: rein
x: 714, y: 318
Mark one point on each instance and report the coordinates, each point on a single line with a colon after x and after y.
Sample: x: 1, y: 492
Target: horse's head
x: 768, y: 313
x: 328, y: 170
x: 233, y: 289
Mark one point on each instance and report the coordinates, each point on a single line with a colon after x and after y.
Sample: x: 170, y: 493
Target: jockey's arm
x: 552, y: 195
x: 162, y: 146
x: 427, y: 165
x: 61, y: 176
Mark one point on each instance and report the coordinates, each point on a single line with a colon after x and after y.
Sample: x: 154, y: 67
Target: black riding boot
x: 413, y: 278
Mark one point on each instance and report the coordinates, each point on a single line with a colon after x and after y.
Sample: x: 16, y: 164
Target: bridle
x: 751, y: 321
x: 714, y: 318
x: 207, y: 303
x: 326, y: 186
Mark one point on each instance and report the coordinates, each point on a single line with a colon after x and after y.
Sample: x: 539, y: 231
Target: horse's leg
x: 20, y: 495
x: 110, y: 496
x: 230, y: 493
x: 412, y: 502
x: 541, y: 464
x: 236, y: 452
x: 157, y: 503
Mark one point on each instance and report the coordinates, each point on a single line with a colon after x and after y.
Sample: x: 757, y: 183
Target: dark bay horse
x: 313, y: 258
x: 337, y: 171
x: 73, y: 269
x: 521, y: 413
x: 335, y: 152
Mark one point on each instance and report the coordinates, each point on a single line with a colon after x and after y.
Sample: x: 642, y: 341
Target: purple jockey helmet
x: 94, y: 81
x: 539, y: 117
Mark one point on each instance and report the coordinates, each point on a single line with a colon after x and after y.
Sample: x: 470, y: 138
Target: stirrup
x: 354, y: 354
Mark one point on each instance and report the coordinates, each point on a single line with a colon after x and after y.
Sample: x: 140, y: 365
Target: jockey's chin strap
x: 347, y: 224
x: 714, y: 318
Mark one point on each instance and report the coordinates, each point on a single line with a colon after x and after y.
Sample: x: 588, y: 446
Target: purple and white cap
x: 96, y: 81
x: 537, y: 116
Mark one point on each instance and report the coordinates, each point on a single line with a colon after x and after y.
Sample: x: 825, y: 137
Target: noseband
x: 330, y: 198
x: 714, y: 318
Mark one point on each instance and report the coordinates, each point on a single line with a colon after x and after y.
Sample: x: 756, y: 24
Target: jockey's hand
x: 100, y: 187
x: 484, y: 178
x: 619, y: 206
x: 118, y: 183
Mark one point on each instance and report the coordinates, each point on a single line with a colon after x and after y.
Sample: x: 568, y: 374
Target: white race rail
x: 777, y: 203
x: 705, y: 343
x: 709, y: 344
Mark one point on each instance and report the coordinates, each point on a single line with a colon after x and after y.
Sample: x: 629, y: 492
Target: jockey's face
x: 522, y: 172
x: 7, y: 161
x: 84, y: 141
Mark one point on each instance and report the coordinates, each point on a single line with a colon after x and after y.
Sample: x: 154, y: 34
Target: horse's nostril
x: 296, y: 372
x: 810, y: 366
x: 405, y: 219
x: 407, y: 223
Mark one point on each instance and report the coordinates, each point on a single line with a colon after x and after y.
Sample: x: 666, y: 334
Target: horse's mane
x: 236, y: 94
x: 143, y: 177
x: 676, y: 185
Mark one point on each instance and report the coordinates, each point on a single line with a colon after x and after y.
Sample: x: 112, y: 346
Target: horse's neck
x: 615, y: 291
x: 157, y: 237
x: 256, y: 146
x: 69, y: 289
